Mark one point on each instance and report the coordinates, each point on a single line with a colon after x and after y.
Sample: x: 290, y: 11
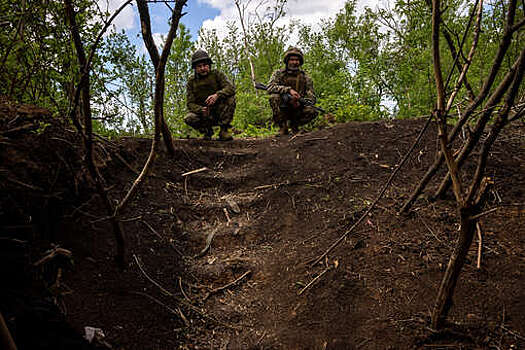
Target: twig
x: 5, y: 336
x: 480, y: 243
x: 208, y: 244
x: 429, y: 229
x: 119, y: 157
x: 162, y: 289
x: 484, y: 213
x: 152, y: 229
x: 279, y: 184
x: 195, y: 171
x: 158, y: 302
x: 226, y: 214
x: 23, y: 184
x: 316, y: 139
x: 513, y: 333
x: 216, y: 290
x: 52, y: 254
x: 182, y: 290
x: 161, y: 238
x: 186, y: 322
x: 314, y: 280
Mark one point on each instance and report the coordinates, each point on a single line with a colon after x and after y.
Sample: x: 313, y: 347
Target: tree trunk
x: 457, y: 260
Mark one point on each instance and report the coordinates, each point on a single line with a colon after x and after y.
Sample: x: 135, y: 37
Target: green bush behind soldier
x: 292, y: 80
x: 210, y: 98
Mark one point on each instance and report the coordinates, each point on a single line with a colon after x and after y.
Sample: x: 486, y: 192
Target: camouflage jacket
x: 283, y: 81
x: 199, y: 88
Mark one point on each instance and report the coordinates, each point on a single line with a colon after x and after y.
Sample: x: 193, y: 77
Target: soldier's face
x: 293, y: 63
x: 202, y: 69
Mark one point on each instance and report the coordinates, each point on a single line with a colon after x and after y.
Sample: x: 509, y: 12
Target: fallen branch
x: 312, y: 282
x: 152, y: 229
x: 162, y: 289
x: 195, y: 171
x: 216, y: 290
x: 480, y: 244
x: 55, y: 252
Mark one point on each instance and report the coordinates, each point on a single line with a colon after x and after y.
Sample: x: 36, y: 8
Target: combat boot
x: 295, y: 128
x: 283, y: 130
x: 224, y: 134
x: 208, y: 133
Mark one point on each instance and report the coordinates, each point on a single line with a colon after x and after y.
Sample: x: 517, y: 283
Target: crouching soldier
x: 210, y: 98
x: 286, y: 87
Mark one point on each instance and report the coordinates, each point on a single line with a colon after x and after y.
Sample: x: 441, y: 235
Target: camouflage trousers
x: 287, y: 114
x: 221, y: 114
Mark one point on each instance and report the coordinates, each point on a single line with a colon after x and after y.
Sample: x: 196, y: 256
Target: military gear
x: 200, y: 56
x: 283, y: 130
x: 221, y: 113
x: 199, y: 88
x: 208, y: 133
x: 287, y: 97
x: 279, y: 87
x: 283, y: 81
x: 293, y: 51
x: 224, y: 134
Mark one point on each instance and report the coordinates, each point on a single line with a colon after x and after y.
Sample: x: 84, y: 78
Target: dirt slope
x: 268, y: 207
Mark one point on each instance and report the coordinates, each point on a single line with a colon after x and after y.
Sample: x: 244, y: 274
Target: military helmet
x: 293, y: 51
x: 200, y: 56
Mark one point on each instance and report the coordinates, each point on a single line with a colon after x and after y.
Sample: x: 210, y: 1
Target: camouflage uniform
x: 198, y: 88
x: 281, y: 82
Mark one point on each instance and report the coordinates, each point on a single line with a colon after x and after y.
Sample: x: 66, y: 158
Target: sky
x: 214, y: 14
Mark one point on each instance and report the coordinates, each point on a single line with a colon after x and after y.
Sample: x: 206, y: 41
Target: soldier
x: 210, y: 98
x: 286, y: 87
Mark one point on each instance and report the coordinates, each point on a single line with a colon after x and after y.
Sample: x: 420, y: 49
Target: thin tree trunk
x: 159, y: 62
x: 158, y: 101
x: 87, y: 133
x: 487, y: 85
x: 474, y: 138
x: 443, y: 301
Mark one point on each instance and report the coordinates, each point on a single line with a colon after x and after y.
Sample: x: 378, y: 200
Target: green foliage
x: 178, y: 70
x: 365, y: 65
x: 252, y: 110
x: 345, y: 108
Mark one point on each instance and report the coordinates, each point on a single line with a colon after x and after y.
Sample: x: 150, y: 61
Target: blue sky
x: 197, y: 13
x: 214, y: 14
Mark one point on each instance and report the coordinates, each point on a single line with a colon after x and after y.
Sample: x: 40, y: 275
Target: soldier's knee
x: 310, y: 113
x: 191, y: 119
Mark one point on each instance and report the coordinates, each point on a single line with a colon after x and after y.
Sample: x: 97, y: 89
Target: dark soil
x: 269, y: 207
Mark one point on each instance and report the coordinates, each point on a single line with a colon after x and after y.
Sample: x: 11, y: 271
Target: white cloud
x: 125, y: 19
x: 309, y: 12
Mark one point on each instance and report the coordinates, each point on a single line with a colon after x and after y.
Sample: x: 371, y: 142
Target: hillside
x: 265, y: 208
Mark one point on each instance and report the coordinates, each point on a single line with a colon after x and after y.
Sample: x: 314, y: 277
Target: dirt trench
x: 218, y: 258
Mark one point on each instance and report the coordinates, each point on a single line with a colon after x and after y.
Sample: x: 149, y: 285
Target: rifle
x: 286, y: 97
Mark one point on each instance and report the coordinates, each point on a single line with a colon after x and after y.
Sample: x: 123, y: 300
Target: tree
x: 83, y: 95
x: 470, y: 198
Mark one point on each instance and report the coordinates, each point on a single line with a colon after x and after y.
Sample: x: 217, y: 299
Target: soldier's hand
x: 294, y: 102
x: 295, y: 94
x: 205, y: 111
x: 210, y: 101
